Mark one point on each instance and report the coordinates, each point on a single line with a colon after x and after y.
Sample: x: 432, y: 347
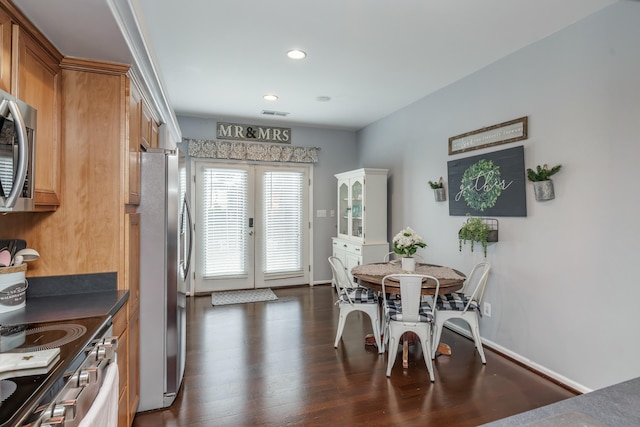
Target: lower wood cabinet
x: 121, y: 331
x: 134, y: 364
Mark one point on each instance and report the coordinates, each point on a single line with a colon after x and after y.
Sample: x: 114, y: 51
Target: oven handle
x: 23, y: 152
x: 81, y: 390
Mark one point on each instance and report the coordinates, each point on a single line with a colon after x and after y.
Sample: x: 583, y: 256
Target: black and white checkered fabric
x: 359, y: 295
x: 394, y: 311
x: 456, y: 301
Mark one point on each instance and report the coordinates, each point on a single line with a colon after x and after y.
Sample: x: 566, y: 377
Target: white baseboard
x: 523, y: 360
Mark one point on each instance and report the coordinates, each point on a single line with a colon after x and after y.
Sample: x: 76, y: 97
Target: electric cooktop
x: 24, y: 393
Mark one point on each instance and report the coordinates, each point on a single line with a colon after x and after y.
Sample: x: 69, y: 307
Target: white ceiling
x: 371, y: 57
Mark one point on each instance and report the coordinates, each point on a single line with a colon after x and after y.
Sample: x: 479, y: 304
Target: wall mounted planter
x: 440, y: 194
x: 471, y: 234
x: 543, y: 190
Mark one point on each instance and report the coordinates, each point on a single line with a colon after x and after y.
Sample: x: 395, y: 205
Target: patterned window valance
x: 263, y: 152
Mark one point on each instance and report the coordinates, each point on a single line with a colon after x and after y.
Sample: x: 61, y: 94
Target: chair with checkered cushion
x: 408, y: 314
x: 352, y: 298
x: 464, y: 304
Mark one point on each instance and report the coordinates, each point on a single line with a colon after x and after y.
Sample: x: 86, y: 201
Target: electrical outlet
x: 486, y: 309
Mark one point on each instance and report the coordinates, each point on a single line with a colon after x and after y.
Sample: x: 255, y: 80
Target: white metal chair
x: 464, y: 304
x: 352, y: 299
x: 408, y: 314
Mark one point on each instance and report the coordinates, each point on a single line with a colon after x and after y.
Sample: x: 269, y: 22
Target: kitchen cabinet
x: 121, y: 331
x: 148, y: 128
x: 29, y: 69
x: 132, y: 238
x: 5, y: 54
x: 36, y: 81
x: 362, y: 218
x: 132, y: 171
x: 97, y: 117
x: 133, y: 360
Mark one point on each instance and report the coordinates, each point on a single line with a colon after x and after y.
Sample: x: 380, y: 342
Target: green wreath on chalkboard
x: 478, y: 183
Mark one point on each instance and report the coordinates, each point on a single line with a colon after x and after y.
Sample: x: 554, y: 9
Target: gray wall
x: 563, y: 286
x: 337, y: 154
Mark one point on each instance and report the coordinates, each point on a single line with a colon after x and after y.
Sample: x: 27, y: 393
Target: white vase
x: 408, y: 264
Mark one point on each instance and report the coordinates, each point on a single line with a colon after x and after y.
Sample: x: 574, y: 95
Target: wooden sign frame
x: 502, y: 133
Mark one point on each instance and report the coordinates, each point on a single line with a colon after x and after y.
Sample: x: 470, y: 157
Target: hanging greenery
x: 474, y: 230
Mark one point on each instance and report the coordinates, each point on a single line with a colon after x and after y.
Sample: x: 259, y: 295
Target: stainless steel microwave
x: 17, y: 154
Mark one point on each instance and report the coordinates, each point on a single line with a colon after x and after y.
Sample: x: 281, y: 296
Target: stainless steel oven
x: 17, y: 154
x: 61, y: 393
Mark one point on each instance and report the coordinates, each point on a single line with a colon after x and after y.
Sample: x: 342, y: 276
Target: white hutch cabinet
x: 362, y: 217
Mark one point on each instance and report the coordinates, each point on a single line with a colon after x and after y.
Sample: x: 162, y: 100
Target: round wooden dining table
x: 370, y: 276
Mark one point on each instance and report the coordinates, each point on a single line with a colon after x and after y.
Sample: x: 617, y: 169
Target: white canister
x: 13, y: 288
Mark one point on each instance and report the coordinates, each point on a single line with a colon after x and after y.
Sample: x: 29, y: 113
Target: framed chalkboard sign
x: 490, y: 184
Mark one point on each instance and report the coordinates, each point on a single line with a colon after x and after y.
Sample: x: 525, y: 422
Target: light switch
x: 321, y: 213
x: 333, y: 213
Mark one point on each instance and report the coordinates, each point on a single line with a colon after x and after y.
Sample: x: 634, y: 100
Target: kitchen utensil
x: 5, y: 258
x: 18, y: 260
x: 14, y: 245
x: 28, y: 254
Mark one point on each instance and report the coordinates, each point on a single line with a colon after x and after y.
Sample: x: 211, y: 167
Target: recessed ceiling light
x: 297, y: 54
x: 270, y: 97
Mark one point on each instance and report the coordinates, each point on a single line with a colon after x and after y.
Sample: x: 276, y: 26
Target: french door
x: 252, y: 226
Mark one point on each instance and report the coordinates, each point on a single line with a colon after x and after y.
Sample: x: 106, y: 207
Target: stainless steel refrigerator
x: 162, y: 284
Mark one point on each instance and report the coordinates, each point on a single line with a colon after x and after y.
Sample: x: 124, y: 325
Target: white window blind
x: 283, y: 221
x: 225, y: 229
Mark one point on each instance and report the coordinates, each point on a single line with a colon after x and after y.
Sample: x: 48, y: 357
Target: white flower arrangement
x: 407, y: 242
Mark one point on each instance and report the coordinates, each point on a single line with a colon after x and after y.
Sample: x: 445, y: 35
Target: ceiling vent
x: 274, y: 113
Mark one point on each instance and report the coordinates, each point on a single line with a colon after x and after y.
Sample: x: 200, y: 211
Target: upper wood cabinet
x: 29, y: 69
x: 145, y: 126
x: 132, y: 169
x: 35, y: 77
x: 5, y: 55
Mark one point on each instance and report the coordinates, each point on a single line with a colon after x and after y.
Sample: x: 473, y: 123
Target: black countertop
x: 614, y: 406
x: 68, y: 297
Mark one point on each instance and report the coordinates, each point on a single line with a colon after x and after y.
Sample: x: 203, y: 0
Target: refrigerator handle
x: 187, y: 261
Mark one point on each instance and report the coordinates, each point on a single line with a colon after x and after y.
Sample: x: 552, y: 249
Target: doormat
x: 239, y: 297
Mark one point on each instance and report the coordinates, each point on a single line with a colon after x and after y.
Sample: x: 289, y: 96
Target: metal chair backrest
x: 340, y: 276
x: 410, y: 294
x: 476, y: 283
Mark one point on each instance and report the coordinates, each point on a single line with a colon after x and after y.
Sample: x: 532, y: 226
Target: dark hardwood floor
x: 273, y: 364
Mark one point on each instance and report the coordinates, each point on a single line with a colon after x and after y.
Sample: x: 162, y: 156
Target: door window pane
x: 283, y: 221
x: 225, y: 229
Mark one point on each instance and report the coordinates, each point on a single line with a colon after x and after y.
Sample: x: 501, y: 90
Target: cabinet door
x: 132, y: 236
x: 356, y: 187
x: 132, y: 166
x: 36, y: 81
x: 121, y: 331
x: 145, y: 126
x: 155, y: 135
x: 5, y: 54
x: 132, y: 239
x: 343, y: 208
x: 134, y: 363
